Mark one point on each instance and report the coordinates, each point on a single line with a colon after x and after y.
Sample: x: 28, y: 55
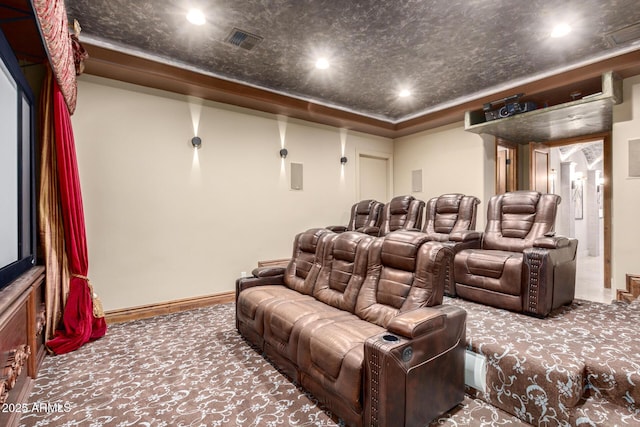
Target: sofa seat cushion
x: 493, y: 270
x: 252, y: 302
x: 283, y: 321
x: 439, y: 237
x: 333, y: 354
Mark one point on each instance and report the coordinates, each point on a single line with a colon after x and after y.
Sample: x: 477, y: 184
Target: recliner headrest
x: 364, y: 207
x: 448, y: 203
x: 400, y: 205
x: 518, y: 213
x: 308, y: 240
x: 400, y: 248
x: 345, y: 245
x: 521, y: 202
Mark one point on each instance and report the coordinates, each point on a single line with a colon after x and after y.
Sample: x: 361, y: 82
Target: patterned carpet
x: 580, y: 366
x: 186, y: 369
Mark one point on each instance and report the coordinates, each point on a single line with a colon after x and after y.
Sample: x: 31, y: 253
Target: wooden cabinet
x: 22, y: 349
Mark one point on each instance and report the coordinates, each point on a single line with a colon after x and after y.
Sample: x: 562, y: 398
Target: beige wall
x: 160, y: 227
x: 450, y: 148
x: 626, y: 191
x: 452, y: 161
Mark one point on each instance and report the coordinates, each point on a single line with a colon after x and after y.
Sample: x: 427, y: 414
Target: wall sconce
x: 196, y: 142
x: 283, y: 153
x: 343, y: 160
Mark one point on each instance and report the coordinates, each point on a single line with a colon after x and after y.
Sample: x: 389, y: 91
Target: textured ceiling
x: 592, y: 151
x: 445, y: 51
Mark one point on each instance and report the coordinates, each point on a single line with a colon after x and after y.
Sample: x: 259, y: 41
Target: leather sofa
x: 365, y: 215
x: 521, y: 264
x: 358, y: 321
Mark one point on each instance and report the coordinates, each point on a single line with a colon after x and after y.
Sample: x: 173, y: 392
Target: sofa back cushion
x: 397, y: 278
x: 516, y: 219
x: 450, y: 213
x: 343, y: 270
x: 305, y: 263
x: 402, y: 212
x: 367, y: 213
x: 445, y: 212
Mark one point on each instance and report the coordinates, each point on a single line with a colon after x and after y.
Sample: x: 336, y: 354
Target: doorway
x: 374, y: 177
x: 579, y: 171
x: 506, y: 166
x: 577, y: 174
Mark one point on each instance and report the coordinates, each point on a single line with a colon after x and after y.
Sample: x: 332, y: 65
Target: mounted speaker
x: 634, y: 158
x: 296, y: 176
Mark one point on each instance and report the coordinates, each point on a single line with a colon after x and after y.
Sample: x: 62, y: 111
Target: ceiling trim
x: 130, y: 68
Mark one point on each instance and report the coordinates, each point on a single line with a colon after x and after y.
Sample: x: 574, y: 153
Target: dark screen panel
x: 17, y: 169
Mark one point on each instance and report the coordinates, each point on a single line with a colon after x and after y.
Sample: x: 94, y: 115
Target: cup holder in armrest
x: 390, y: 338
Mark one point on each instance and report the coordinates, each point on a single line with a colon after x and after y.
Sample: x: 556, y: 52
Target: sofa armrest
x: 268, y: 271
x: 465, y: 236
x: 370, y: 230
x: 551, y: 242
x: 261, y: 276
x: 401, y: 374
x: 417, y: 322
x: 549, y: 275
x: 337, y: 228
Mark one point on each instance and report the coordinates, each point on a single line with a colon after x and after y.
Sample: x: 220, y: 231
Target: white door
x: 374, y: 178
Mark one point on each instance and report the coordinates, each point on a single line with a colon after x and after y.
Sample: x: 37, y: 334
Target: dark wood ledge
x: 145, y: 72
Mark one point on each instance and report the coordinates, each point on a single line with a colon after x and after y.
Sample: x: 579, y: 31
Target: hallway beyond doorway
x: 589, y: 277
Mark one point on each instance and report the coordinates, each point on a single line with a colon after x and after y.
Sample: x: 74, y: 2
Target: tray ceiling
x: 444, y: 51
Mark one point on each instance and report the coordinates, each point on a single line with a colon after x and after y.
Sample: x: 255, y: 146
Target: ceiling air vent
x: 623, y: 35
x: 243, y: 39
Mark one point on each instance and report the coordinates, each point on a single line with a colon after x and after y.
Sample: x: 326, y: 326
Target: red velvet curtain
x: 79, y: 325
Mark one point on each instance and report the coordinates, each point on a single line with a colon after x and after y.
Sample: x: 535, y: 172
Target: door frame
x: 607, y: 165
x: 534, y: 149
x: 375, y: 155
x: 512, y: 171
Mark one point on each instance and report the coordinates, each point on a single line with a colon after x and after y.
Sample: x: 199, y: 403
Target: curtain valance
x: 52, y: 20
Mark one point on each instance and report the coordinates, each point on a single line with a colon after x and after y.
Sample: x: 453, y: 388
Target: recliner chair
x: 451, y: 220
x: 401, y: 213
x: 521, y: 265
x: 365, y: 214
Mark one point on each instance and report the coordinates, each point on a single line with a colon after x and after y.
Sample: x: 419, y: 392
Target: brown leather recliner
x: 401, y: 213
x: 451, y: 220
x: 365, y: 214
x: 300, y: 275
x: 370, y: 338
x: 521, y: 265
x: 403, y: 363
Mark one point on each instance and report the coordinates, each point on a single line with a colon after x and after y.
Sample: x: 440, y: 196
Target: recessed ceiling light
x: 561, y: 30
x: 404, y: 93
x: 322, y: 64
x: 196, y: 17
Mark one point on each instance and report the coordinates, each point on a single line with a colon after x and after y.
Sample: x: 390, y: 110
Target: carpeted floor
x: 186, y: 369
x: 580, y: 366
